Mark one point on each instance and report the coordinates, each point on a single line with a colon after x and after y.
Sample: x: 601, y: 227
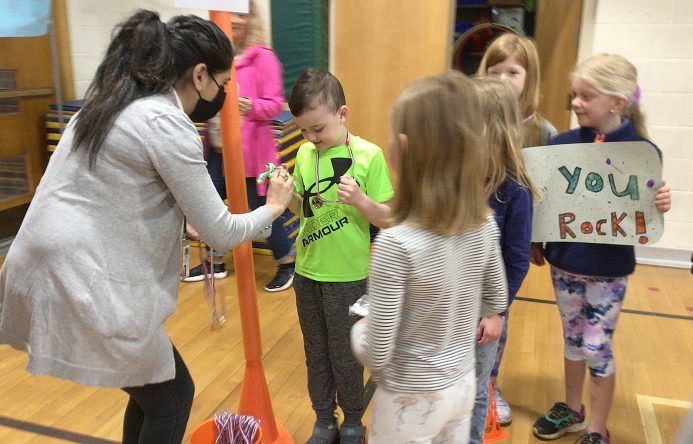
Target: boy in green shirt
x: 343, y: 185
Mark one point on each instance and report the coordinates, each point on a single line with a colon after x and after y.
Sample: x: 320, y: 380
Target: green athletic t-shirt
x: 333, y: 242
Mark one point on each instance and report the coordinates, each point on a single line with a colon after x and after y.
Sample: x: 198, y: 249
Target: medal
x: 316, y: 201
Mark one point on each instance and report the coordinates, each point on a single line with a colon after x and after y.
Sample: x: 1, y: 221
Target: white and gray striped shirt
x: 427, y: 292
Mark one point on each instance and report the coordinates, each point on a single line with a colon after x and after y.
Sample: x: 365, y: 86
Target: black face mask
x: 204, y: 109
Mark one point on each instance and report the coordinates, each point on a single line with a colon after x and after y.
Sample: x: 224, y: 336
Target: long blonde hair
x: 256, y: 28
x: 524, y: 51
x: 440, y: 172
x: 613, y: 75
x: 500, y: 112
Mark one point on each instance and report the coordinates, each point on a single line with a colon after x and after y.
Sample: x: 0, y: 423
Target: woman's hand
x: 280, y: 191
x: 489, y: 329
x: 536, y: 254
x: 663, y: 198
x: 191, y: 232
x: 244, y: 105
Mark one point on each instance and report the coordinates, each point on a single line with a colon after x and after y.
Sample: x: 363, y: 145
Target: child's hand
x: 349, y: 191
x: 191, y: 232
x: 663, y: 198
x: 489, y: 329
x: 536, y: 254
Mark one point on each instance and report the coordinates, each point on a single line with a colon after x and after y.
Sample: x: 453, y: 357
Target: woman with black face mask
x: 93, y: 272
x: 261, y: 91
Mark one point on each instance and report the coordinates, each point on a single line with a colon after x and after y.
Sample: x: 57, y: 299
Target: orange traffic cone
x: 493, y: 431
x: 255, y: 400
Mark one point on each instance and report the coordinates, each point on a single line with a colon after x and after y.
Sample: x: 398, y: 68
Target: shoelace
x: 560, y: 410
x: 500, y: 400
x: 591, y: 438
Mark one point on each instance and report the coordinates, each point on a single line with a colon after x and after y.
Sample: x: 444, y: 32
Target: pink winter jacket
x: 259, y: 77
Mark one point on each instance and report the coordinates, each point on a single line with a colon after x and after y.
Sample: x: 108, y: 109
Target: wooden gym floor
x: 653, y: 343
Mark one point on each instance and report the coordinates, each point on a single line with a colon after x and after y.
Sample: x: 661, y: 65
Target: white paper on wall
x: 596, y: 192
x: 239, y: 6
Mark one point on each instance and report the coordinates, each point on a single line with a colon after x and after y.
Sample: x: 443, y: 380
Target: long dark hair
x: 146, y: 57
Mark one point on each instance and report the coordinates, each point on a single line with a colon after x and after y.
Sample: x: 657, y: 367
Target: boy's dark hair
x: 146, y: 57
x: 314, y: 83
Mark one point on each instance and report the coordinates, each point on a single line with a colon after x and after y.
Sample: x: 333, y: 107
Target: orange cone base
x: 255, y: 401
x: 492, y: 429
x: 283, y: 436
x: 495, y: 434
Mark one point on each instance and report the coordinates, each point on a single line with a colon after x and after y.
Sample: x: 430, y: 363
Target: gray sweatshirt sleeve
x: 176, y: 152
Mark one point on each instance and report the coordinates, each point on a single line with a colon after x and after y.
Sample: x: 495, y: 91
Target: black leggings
x: 334, y: 374
x: 158, y: 413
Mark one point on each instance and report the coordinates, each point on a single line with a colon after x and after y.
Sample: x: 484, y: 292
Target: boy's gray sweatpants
x: 323, y: 312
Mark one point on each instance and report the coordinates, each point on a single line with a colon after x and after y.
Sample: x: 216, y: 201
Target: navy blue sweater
x: 600, y: 260
x: 513, y: 206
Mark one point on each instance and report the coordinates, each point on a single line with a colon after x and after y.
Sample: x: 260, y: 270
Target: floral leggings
x: 589, y: 308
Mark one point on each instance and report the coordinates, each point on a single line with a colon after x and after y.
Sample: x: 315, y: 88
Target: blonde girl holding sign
x: 590, y: 279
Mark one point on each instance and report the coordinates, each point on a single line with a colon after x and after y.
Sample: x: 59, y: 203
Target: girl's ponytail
x: 637, y: 118
x: 138, y: 63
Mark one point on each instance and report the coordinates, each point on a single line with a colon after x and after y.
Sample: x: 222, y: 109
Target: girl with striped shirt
x: 435, y: 272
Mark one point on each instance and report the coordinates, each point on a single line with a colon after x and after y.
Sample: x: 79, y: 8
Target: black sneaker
x: 283, y: 279
x: 352, y: 434
x: 560, y: 420
x: 594, y: 438
x: 197, y: 273
x: 324, y: 434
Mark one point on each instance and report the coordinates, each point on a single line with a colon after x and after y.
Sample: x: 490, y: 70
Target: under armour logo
x: 340, y: 166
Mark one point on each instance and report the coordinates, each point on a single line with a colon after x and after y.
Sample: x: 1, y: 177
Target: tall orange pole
x: 255, y: 399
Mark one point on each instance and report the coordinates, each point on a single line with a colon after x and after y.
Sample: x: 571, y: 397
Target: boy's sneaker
x: 324, y: 434
x: 594, y: 438
x: 352, y: 434
x: 505, y: 416
x: 283, y: 279
x: 560, y: 420
x: 197, y: 273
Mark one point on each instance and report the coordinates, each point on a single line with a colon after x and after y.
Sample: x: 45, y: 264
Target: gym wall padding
x: 300, y: 36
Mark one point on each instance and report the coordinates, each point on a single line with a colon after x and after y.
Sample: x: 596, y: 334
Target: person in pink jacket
x: 261, y: 97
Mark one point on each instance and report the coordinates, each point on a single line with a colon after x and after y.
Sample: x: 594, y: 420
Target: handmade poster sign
x: 596, y: 192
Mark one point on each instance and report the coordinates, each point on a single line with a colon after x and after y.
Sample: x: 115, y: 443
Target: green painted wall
x: 300, y: 36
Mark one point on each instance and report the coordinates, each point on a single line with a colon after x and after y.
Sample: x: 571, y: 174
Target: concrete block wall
x: 91, y: 23
x: 657, y: 37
